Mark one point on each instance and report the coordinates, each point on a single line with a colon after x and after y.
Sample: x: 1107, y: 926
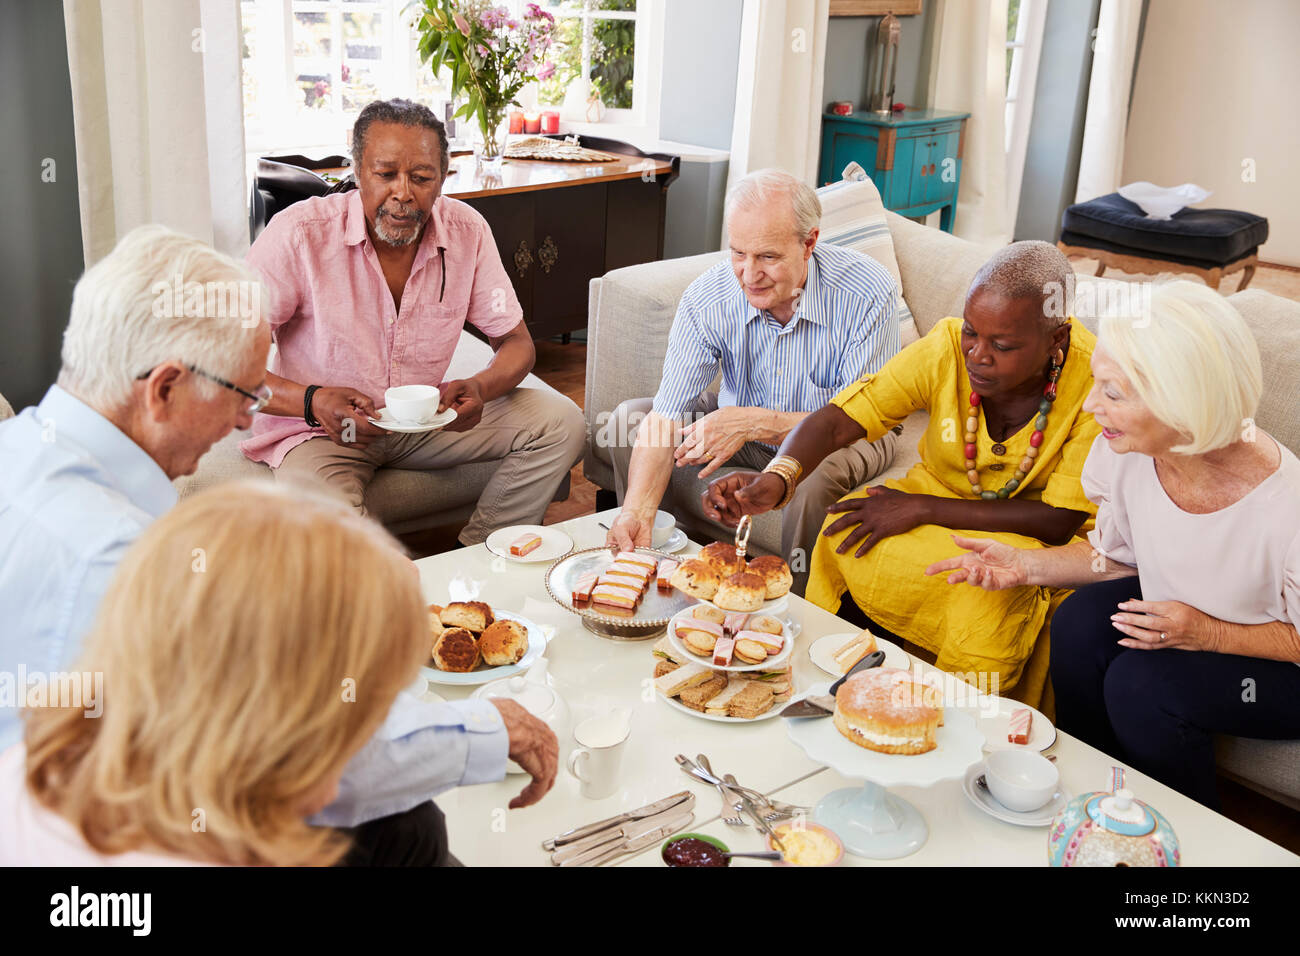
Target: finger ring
x: 1163, y: 635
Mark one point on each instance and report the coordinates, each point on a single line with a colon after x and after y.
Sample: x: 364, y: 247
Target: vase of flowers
x: 490, y: 55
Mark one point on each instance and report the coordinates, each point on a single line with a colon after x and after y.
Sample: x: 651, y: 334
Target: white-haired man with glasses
x: 143, y: 393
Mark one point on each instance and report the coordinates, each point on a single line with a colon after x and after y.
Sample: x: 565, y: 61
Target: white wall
x: 1218, y: 84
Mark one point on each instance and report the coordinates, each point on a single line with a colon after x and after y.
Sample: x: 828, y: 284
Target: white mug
x: 665, y: 525
x: 599, y: 753
x: 416, y: 404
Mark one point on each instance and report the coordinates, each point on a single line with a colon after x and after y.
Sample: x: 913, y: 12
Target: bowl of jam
x: 694, y: 849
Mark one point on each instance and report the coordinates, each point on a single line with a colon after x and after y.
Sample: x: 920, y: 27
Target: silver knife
x: 628, y: 831
x: 649, y: 810
x: 671, y: 824
x: 823, y: 705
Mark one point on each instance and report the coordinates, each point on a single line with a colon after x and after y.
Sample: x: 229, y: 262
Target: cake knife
x: 823, y: 705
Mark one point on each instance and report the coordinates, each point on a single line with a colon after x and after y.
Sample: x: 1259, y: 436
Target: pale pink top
x: 32, y: 835
x: 332, y: 315
x: 1240, y: 564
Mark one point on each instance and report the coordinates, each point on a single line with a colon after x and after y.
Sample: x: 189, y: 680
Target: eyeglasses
x: 259, y: 398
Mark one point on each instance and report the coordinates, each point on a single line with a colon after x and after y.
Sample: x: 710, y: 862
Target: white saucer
x: 1041, y: 817
x: 822, y: 652
x: 994, y: 725
x: 388, y: 423
x: 676, y: 541
x: 555, y: 543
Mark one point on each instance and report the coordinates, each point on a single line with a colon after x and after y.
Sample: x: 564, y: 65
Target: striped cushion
x: 853, y: 216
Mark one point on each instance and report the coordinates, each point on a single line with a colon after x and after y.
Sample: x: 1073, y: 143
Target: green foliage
x: 611, y: 73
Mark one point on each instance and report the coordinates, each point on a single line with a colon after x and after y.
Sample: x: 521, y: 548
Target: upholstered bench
x: 1211, y: 243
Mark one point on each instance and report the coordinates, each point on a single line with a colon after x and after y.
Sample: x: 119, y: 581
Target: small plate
x: 676, y: 541
x: 388, y: 423
x: 1042, y: 734
x: 537, y: 640
x: 1041, y: 817
x: 773, y: 663
x: 773, y: 711
x: 555, y: 543
x: 822, y: 652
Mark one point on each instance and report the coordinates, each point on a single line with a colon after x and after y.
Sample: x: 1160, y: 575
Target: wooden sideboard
x: 913, y: 156
x: 559, y: 225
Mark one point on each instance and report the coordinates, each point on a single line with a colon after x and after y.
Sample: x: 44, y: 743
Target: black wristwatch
x: 307, y: 416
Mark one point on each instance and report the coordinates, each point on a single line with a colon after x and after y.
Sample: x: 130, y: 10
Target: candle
x: 551, y: 121
x: 516, y: 121
x: 532, y: 123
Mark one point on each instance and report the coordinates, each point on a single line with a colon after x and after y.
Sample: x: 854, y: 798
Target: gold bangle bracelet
x: 788, y: 476
x: 791, y: 463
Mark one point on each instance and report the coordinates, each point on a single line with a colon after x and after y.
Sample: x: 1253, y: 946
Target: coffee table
x: 595, y: 675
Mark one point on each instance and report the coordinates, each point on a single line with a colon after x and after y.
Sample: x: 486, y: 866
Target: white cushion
x: 854, y: 217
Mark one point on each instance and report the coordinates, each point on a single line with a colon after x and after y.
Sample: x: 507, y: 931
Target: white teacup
x: 414, y: 404
x: 665, y: 525
x: 1021, y: 780
x: 599, y: 753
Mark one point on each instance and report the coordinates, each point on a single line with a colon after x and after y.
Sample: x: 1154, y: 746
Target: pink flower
x: 461, y: 24
x: 546, y: 72
x: 482, y: 50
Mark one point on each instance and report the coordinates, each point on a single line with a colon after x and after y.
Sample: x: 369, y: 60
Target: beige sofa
x: 631, y: 311
x: 404, y: 501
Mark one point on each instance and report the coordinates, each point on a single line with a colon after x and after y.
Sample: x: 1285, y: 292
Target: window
x: 1025, y: 20
x: 309, y: 66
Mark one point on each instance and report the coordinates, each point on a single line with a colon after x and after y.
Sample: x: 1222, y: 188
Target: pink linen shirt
x: 333, y: 318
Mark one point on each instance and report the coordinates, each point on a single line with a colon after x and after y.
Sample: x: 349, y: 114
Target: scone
x: 722, y: 558
x: 705, y: 612
x: 473, y: 616
x: 740, y: 592
x: 504, y: 642
x: 435, y: 625
x: 455, y: 650
x: 775, y: 573
x: 696, y: 579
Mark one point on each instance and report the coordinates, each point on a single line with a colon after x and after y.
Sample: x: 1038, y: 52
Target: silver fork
x: 729, y: 801
x: 772, y: 809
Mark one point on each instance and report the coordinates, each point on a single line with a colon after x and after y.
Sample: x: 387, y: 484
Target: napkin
x: 1161, y: 202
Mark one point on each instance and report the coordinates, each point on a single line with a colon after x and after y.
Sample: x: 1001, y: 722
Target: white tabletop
x: 595, y: 675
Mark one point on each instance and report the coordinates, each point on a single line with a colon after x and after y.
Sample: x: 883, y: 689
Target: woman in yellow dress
x: 1002, y: 454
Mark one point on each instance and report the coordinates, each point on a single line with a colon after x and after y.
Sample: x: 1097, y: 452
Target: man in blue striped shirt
x: 788, y: 323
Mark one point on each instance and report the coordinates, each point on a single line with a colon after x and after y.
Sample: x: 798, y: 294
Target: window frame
x: 1027, y: 46
x: 279, y: 126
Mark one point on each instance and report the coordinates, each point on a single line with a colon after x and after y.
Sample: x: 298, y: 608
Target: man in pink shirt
x: 371, y: 289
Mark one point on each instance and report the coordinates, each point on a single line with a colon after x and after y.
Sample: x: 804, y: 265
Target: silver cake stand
x: 650, y: 619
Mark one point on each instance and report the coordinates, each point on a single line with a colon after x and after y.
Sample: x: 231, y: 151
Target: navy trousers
x: 1159, y: 710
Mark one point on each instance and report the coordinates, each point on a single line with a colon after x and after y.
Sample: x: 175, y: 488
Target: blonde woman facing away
x: 1183, y: 624
x: 234, y: 691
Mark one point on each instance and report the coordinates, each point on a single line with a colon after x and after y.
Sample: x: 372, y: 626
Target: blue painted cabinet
x: 913, y: 157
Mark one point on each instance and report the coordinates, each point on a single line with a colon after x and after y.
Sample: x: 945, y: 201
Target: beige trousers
x: 837, y: 475
x: 537, y: 434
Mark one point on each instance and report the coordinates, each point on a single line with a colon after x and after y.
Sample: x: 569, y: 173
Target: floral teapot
x: 1111, y: 828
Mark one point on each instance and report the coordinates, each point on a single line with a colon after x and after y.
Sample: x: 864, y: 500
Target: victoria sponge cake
x: 885, y: 710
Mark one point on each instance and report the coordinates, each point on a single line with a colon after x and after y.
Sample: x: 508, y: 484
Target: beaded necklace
x: 1035, y: 440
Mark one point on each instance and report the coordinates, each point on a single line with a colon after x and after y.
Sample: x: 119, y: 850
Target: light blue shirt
x: 844, y: 326
x: 75, y: 492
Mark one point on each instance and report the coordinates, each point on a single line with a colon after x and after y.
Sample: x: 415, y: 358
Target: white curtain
x: 779, y: 88
x: 158, y: 119
x: 1102, y: 156
x: 968, y: 60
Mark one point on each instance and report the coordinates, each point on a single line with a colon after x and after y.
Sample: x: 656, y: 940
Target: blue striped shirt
x: 844, y: 327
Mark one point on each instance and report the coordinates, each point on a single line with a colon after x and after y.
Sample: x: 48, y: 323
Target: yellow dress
x: 984, y: 637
